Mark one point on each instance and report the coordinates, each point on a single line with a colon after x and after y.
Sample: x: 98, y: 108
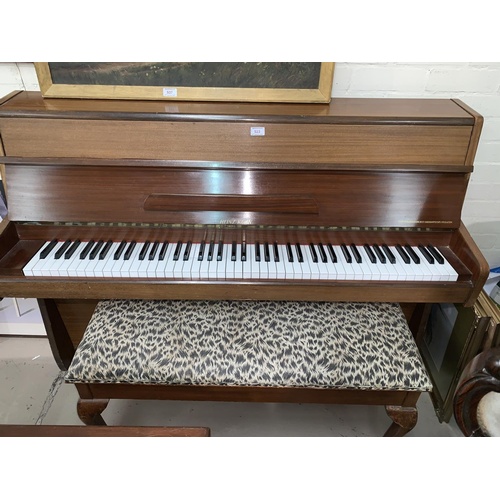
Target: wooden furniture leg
x: 89, y: 410
x: 480, y: 377
x: 404, y: 420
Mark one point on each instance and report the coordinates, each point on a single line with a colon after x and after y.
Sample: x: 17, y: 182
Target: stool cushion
x: 275, y: 344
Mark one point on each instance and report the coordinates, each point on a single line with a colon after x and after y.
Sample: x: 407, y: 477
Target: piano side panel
x: 230, y: 141
x: 55, y: 193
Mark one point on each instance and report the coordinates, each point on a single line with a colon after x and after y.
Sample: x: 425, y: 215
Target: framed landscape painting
x: 189, y: 81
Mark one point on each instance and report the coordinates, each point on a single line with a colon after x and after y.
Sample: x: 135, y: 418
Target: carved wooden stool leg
x: 89, y: 411
x: 404, y: 420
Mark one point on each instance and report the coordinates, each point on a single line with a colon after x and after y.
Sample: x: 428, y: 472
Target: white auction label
x: 257, y: 130
x: 169, y: 92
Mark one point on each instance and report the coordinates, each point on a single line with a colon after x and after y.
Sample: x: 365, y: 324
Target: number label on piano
x: 258, y: 131
x: 168, y: 92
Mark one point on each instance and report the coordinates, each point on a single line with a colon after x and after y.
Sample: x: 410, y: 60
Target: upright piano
x: 356, y: 200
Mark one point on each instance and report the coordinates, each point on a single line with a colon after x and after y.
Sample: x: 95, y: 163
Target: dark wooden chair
x: 477, y: 398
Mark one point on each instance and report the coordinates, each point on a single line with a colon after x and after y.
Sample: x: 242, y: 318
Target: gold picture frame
x: 277, y: 82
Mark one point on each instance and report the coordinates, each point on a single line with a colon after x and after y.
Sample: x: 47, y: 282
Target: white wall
x: 476, y: 84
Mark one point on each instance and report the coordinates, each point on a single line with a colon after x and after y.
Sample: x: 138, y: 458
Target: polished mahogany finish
x: 391, y: 171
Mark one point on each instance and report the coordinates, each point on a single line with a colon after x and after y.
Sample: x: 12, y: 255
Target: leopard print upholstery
x: 231, y: 343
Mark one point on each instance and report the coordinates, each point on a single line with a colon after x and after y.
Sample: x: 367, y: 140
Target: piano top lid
x: 340, y: 110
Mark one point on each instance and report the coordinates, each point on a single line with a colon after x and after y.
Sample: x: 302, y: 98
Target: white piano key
x: 399, y: 265
x: 230, y: 263
x: 246, y: 265
x: 451, y: 274
x: 194, y: 270
x: 161, y: 270
x: 213, y: 265
x: 369, y: 270
x: 178, y: 265
x: 280, y: 265
x: 238, y: 265
x: 348, y: 273
x: 144, y: 264
x: 295, y: 264
x: 204, y: 273
x: 135, y: 263
x: 272, y: 272
x: 255, y: 268
x: 307, y: 272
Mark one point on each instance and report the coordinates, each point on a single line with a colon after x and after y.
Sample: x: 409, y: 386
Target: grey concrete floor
x: 32, y: 391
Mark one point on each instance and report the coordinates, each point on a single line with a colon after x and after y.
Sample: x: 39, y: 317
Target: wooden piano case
x: 385, y: 170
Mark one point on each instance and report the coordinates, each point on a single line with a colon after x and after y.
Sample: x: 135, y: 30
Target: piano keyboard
x: 222, y: 260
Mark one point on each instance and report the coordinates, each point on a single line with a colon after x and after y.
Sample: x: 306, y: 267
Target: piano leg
x: 60, y: 342
x: 89, y: 410
x: 404, y: 420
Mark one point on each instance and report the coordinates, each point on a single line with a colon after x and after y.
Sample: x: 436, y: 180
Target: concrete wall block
x: 464, y: 79
x: 389, y: 77
x: 9, y: 74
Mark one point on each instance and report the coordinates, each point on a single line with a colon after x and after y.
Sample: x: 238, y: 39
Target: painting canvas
x: 205, y: 81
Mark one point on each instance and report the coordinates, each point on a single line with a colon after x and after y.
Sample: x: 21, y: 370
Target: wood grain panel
x: 228, y: 141
x: 342, y: 198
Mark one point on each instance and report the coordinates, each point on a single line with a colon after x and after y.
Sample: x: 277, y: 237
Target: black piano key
x: 346, y: 253
x: 413, y: 256
x: 322, y: 253
x: 380, y: 254
x: 177, y: 251
x: 257, y: 251
x: 144, y: 250
x: 202, y: 250
x: 267, y: 255
x: 163, y: 251
x: 105, y: 250
x: 403, y: 254
x: 233, y: 251
x: 210, y: 255
x: 187, y: 251
x: 87, y: 249
x: 428, y: 257
x: 48, y: 248
x: 370, y: 254
x: 435, y: 254
x: 289, y: 252
x: 300, y: 257
x: 389, y: 254
x: 357, y: 255
x: 332, y: 253
x: 244, y: 251
x: 96, y: 249
x: 314, y: 255
x: 220, y: 250
x: 130, y: 249
x: 154, y: 249
x: 276, y: 252
x: 72, y: 249
x: 120, y: 250
x: 62, y: 249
